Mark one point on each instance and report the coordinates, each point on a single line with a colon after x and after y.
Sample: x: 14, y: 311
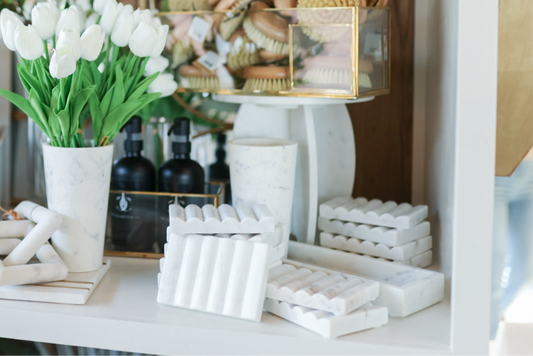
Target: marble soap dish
x: 404, y: 290
x: 378, y: 234
x: 374, y: 212
x: 334, y: 292
x: 222, y: 220
x: 423, y: 260
x: 215, y: 275
x: 326, y: 324
x: 398, y: 253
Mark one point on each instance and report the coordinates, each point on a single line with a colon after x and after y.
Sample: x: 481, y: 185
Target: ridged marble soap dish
x: 389, y: 214
x: 222, y: 220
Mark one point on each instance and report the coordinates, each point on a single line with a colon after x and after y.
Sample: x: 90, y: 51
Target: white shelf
x: 122, y: 314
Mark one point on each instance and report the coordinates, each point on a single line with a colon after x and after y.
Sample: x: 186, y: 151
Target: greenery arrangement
x: 109, y: 72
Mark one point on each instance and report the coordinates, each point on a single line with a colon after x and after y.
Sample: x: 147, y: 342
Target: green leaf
x: 19, y: 101
x: 41, y: 115
x: 118, y: 91
x: 96, y: 115
x: 65, y: 123
x: 78, y: 105
x: 55, y: 128
x: 142, y: 87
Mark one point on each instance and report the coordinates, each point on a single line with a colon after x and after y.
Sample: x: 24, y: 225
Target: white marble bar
x: 50, y: 269
x: 47, y: 222
x: 326, y: 324
x: 389, y: 214
x: 7, y: 245
x: 404, y: 290
x: 15, y: 228
x: 398, y: 253
x: 334, y: 292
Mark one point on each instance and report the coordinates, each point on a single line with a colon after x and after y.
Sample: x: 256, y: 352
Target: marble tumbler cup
x: 262, y: 171
x: 77, y: 187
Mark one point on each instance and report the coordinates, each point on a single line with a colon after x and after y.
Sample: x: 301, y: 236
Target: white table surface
x: 122, y: 314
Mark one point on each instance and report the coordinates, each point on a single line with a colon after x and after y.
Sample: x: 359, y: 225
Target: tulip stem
x: 46, y: 51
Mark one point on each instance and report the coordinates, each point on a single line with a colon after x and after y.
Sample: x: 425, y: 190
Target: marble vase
x: 262, y: 171
x: 77, y: 187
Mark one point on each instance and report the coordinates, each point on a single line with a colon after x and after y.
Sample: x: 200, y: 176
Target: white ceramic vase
x: 77, y: 187
x: 262, y: 171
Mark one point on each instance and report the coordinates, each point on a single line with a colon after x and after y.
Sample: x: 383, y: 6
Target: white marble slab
x: 76, y: 288
x: 334, y: 292
x: 374, y: 212
x: 222, y: 220
x: 7, y: 245
x: 215, y: 275
x: 404, y: 290
x: 378, y: 234
x: 398, y: 253
x: 326, y: 324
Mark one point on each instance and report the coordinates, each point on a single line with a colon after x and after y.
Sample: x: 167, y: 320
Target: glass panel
x: 265, y: 51
x: 373, y: 49
x: 138, y: 221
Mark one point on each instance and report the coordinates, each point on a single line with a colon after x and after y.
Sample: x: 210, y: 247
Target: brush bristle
x: 181, y: 53
x: 263, y: 41
x: 336, y: 77
x: 228, y: 27
x: 266, y: 85
x: 243, y: 56
x: 200, y: 83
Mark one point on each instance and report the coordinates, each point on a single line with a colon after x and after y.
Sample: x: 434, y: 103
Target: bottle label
x: 211, y: 61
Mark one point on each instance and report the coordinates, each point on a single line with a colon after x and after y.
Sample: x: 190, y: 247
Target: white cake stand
x: 326, y: 147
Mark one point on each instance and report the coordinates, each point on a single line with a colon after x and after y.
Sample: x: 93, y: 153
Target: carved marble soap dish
x: 403, y: 216
x: 222, y: 220
x: 327, y: 324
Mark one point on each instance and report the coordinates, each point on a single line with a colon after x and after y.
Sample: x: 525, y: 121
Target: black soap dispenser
x: 219, y: 171
x: 132, y: 216
x: 179, y: 174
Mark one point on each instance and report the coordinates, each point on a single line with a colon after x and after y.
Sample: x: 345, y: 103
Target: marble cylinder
x: 262, y: 171
x: 77, y: 187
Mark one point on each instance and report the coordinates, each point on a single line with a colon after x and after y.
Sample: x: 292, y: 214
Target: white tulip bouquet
x: 69, y: 76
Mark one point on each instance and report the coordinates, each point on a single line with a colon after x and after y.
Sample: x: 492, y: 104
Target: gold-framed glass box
x: 137, y: 221
x: 331, y: 52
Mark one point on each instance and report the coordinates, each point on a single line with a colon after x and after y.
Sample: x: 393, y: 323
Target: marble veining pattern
x: 327, y: 324
x: 332, y: 292
x: 389, y: 214
x: 77, y: 187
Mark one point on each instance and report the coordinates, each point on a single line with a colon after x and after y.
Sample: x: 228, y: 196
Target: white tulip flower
x: 9, y: 34
x: 92, y: 41
x: 164, y: 84
x: 123, y: 28
x: 83, y: 5
x: 91, y: 20
x: 156, y: 22
x: 142, y: 40
x: 9, y: 22
x: 43, y: 17
x: 68, y: 20
x: 142, y: 15
x: 98, y: 6
x: 162, y: 33
x: 83, y: 18
x: 28, y: 42
x: 54, y: 10
x: 155, y: 64
x: 63, y: 62
x: 72, y: 37
x: 110, y: 15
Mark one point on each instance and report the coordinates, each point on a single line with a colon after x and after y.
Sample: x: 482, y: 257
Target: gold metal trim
x: 133, y: 254
x: 163, y: 194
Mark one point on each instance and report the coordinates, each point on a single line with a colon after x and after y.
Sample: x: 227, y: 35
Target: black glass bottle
x: 179, y: 174
x: 219, y: 171
x: 133, y: 216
